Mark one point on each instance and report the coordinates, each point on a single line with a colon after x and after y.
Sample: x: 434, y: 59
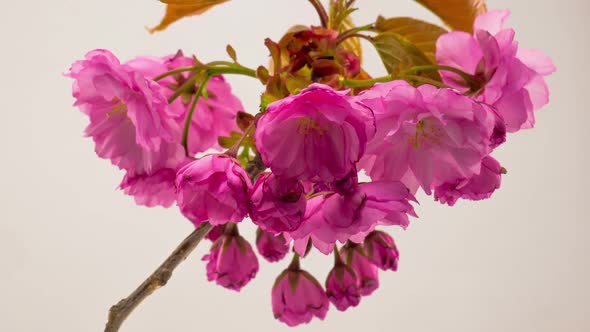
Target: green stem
x: 189, y: 117
x: 233, y: 151
x: 364, y: 83
x: 295, y: 266
x: 424, y: 80
x: 467, y: 77
x: 177, y: 71
x: 353, y: 33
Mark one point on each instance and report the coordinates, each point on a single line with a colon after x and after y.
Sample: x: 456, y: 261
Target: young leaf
x: 231, y: 52
x: 399, y: 54
x: 457, y: 14
x: 422, y: 34
x: 177, y: 9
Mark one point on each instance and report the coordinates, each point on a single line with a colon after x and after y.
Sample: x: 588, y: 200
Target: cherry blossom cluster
x: 293, y: 168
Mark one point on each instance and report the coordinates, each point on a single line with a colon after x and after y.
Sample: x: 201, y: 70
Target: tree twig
x: 120, y: 311
x: 321, y: 12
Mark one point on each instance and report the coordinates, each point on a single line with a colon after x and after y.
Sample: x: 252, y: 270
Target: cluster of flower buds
x: 293, y: 168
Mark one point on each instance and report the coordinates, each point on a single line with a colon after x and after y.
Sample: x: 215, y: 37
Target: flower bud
x: 381, y: 250
x: 272, y: 247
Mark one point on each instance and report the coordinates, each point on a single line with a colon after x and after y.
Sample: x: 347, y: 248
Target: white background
x: 71, y: 245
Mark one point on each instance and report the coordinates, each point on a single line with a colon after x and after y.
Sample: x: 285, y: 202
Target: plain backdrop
x: 71, y: 244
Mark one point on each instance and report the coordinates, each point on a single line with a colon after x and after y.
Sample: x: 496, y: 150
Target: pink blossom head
x: 297, y: 297
x: 214, y: 188
x: 426, y: 136
x: 231, y: 263
x: 317, y: 135
x: 270, y: 246
x: 511, y: 77
x: 215, y: 233
x: 381, y: 250
x: 277, y: 205
x: 343, y: 287
x: 151, y: 189
x: 128, y: 115
x: 355, y: 256
x: 479, y: 186
x: 214, y: 116
x: 339, y: 218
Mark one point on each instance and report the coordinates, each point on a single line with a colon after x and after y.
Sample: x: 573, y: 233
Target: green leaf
x: 398, y: 54
x: 229, y: 141
x: 422, y: 34
x: 457, y: 14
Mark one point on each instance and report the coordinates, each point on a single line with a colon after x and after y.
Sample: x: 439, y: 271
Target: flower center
x: 424, y: 134
x: 119, y: 108
x: 307, y: 125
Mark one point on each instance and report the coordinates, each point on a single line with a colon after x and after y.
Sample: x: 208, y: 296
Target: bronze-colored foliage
x: 177, y: 9
x: 457, y: 14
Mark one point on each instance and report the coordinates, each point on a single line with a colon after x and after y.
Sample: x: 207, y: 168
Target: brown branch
x: 120, y: 311
x: 321, y: 12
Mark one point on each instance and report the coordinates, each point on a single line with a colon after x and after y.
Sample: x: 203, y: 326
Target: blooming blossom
x: 512, y: 77
x: 270, y: 246
x: 231, y: 262
x: 317, y: 135
x: 214, y: 188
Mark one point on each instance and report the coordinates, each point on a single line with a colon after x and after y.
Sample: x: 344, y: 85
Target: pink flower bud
x: 214, y: 188
x: 381, y: 250
x: 231, y: 262
x: 342, y: 287
x: 355, y: 257
x: 272, y: 247
x: 277, y: 205
x: 297, y: 297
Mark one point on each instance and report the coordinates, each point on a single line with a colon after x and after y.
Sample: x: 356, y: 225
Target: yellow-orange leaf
x: 457, y: 14
x: 422, y: 34
x: 177, y: 9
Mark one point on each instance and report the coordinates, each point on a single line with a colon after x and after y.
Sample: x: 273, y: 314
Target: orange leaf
x: 177, y: 9
x: 457, y: 14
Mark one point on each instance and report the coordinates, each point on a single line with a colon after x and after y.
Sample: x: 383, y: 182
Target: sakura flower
x: 426, y: 136
x: 128, y: 119
x: 214, y: 188
x: 270, y: 246
x: 297, y: 297
x: 381, y: 250
x: 231, y: 263
x: 512, y: 78
x: 342, y: 286
x: 277, y: 205
x: 151, y: 190
x: 477, y: 187
x: 341, y: 218
x: 368, y: 276
x: 214, y: 116
x: 317, y: 135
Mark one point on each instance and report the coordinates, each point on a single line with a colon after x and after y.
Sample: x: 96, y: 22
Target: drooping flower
x: 151, y: 190
x: 128, y: 115
x: 231, y: 263
x: 214, y: 116
x: 270, y: 246
x: 215, y: 233
x: 336, y: 217
x: 342, y: 286
x: 477, y: 187
x: 368, y: 275
x: 277, y: 205
x: 512, y: 77
x: 426, y: 136
x: 317, y: 135
x: 214, y: 188
x: 297, y: 297
x: 381, y: 250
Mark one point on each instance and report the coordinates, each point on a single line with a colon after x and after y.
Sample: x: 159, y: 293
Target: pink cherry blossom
x: 277, y: 205
x: 317, y: 135
x: 231, y: 263
x: 368, y: 275
x: 215, y: 233
x: 129, y: 122
x: 297, y: 297
x: 342, y: 287
x: 426, y: 136
x: 477, y: 187
x: 270, y: 246
x: 214, y: 116
x: 214, y: 188
x: 151, y: 190
x: 381, y: 250
x: 513, y: 77
x: 336, y: 217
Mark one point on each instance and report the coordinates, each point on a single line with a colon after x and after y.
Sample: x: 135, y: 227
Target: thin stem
x: 337, y: 258
x: 189, y: 117
x: 190, y: 82
x: 424, y: 80
x: 467, y: 77
x: 233, y: 151
x: 321, y: 12
x: 295, y: 266
x: 352, y: 33
x: 120, y: 311
x: 364, y: 83
x: 177, y: 71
